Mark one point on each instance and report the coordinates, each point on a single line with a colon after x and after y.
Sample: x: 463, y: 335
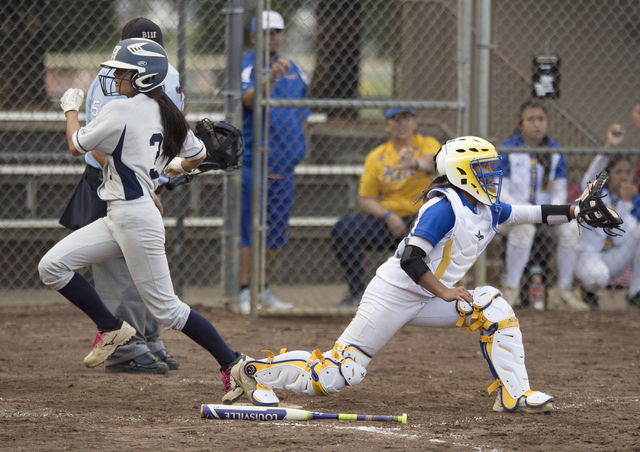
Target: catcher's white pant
x: 520, y: 240
x: 595, y: 270
x: 133, y: 229
x: 385, y: 309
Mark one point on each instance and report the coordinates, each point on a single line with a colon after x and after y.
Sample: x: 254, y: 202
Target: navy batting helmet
x: 144, y: 57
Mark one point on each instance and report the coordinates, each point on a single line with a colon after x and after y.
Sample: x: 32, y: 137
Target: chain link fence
x: 360, y: 57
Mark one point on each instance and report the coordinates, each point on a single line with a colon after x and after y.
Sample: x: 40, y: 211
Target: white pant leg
x: 137, y: 226
x: 88, y: 245
x: 384, y: 309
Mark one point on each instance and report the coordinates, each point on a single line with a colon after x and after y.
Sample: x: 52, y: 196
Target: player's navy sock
x: 83, y: 295
x: 203, y: 333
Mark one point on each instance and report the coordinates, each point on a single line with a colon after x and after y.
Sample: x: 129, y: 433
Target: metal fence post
x: 182, y: 205
x: 483, y: 66
x: 258, y: 153
x: 232, y: 198
x: 464, y: 65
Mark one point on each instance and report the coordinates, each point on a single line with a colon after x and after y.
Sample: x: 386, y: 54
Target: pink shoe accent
x: 98, y: 339
x: 227, y: 382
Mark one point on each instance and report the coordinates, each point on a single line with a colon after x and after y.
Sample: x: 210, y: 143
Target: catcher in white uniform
x: 416, y: 287
x: 141, y: 136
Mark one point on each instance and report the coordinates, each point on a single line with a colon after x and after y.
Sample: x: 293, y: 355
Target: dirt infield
x: 589, y: 362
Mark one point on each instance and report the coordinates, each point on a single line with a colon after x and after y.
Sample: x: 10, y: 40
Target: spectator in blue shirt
x: 287, y: 147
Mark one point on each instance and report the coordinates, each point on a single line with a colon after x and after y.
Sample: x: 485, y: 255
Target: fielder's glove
x: 174, y: 168
x: 71, y: 100
x: 592, y: 210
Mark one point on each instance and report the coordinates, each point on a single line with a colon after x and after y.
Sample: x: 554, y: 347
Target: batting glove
x: 72, y: 99
x: 174, y: 168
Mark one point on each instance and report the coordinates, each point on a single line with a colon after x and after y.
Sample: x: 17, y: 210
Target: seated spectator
x: 603, y: 257
x: 395, y: 174
x: 532, y: 178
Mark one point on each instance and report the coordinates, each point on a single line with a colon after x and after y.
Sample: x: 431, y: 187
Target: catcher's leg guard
x: 310, y: 373
x: 501, y: 344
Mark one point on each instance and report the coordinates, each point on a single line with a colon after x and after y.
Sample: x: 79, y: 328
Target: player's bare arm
x: 179, y: 166
x: 429, y: 282
x: 73, y: 125
x: 70, y: 103
x: 100, y: 157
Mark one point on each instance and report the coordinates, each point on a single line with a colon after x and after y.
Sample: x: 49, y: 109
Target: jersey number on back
x: 155, y: 138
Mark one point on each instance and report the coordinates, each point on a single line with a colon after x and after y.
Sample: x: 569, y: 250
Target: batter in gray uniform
x: 142, y: 136
x: 145, y: 352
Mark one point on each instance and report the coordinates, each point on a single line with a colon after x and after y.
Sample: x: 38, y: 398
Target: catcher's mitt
x: 593, y: 211
x: 224, y: 144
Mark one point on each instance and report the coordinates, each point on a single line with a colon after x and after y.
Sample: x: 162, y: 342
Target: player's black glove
x: 224, y: 144
x: 593, y: 211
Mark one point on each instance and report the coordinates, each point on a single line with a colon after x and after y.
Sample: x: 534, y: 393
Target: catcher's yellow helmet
x: 469, y: 164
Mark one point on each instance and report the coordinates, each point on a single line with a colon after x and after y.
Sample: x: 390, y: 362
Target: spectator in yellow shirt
x: 395, y: 174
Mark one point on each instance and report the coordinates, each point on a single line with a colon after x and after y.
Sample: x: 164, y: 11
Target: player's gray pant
x: 115, y: 286
x: 132, y: 229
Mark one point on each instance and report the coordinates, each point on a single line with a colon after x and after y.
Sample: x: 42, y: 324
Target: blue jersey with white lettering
x: 287, y: 144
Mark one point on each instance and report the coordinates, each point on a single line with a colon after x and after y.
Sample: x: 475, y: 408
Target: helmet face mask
x: 469, y: 164
x: 489, y: 179
x: 145, y: 58
x: 108, y: 82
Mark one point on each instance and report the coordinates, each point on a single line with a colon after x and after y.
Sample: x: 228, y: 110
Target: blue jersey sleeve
x: 435, y: 222
x: 505, y: 212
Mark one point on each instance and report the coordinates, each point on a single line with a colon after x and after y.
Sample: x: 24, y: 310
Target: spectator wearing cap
x: 395, y: 174
x: 145, y: 353
x: 287, y: 147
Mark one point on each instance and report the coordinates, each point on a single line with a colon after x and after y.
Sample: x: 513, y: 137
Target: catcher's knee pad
x: 500, y: 341
x: 349, y: 351
x: 521, y: 235
x: 310, y: 373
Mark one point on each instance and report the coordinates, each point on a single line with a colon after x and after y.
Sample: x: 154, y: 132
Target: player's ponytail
x: 173, y: 122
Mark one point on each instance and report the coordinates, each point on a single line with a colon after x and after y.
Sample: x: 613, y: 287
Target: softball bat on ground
x: 254, y: 413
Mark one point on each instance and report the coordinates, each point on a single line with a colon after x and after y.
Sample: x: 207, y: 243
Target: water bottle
x: 537, y: 291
